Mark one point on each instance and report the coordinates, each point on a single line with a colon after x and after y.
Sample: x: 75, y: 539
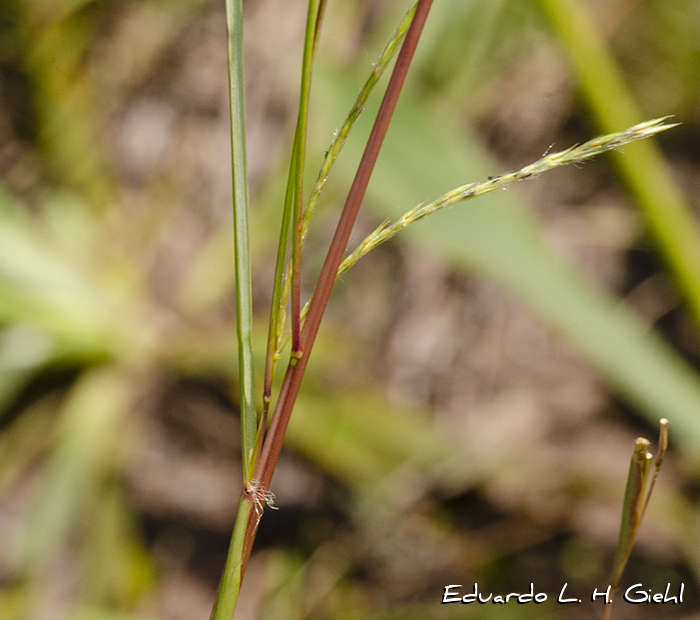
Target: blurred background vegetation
x: 478, y: 385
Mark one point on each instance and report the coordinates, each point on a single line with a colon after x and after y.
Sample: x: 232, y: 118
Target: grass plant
x: 86, y: 338
x: 258, y: 470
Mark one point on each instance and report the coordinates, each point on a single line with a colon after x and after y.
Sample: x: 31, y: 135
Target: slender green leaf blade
x: 244, y: 303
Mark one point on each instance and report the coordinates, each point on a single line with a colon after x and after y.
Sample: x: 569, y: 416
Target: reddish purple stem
x: 295, y: 371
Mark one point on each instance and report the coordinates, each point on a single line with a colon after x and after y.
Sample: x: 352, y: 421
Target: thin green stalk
x: 670, y: 219
x: 317, y: 26
x: 244, y: 303
x: 311, y: 40
x: 332, y: 153
x: 292, y: 204
x: 276, y: 316
x: 358, y: 107
x: 233, y: 571
x: 230, y: 585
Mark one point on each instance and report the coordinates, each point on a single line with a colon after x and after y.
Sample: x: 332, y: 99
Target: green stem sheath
x: 230, y: 585
x: 244, y: 304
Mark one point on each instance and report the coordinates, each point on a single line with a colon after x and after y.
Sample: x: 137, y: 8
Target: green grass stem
x: 292, y: 206
x: 311, y: 40
x: 334, y: 149
x: 280, y: 295
x: 358, y: 107
x: 244, y: 303
x: 232, y: 576
x: 250, y: 506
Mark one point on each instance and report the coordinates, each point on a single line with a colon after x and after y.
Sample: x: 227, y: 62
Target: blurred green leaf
x: 673, y: 226
x: 118, y: 570
x: 363, y: 438
x: 90, y: 435
x: 84, y: 308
